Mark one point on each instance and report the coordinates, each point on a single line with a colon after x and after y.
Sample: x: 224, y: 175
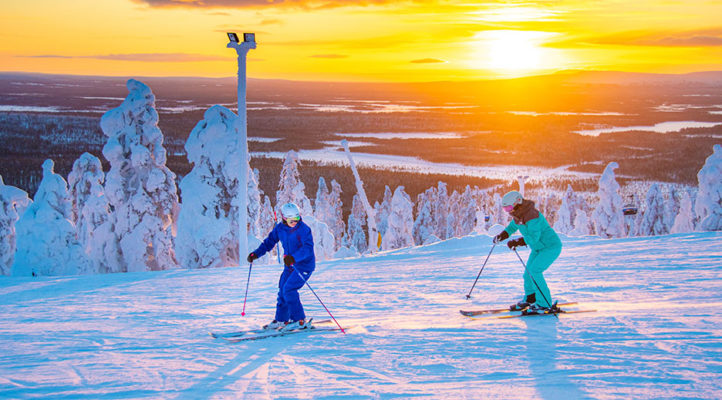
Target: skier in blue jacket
x: 299, y: 259
x: 545, y: 247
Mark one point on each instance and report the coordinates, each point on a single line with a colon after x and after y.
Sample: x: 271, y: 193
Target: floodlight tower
x: 242, y: 48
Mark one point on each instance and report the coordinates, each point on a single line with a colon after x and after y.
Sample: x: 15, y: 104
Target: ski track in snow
x: 656, y: 332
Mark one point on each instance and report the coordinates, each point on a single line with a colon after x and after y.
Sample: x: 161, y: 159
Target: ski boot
x: 523, y: 304
x: 298, y: 325
x: 274, y: 325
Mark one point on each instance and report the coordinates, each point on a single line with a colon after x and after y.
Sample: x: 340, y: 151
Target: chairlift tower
x: 242, y: 49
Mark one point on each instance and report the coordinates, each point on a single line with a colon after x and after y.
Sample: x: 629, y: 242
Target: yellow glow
x: 359, y: 40
x: 512, y: 53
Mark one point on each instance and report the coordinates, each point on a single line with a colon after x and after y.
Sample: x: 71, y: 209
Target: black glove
x: 501, y: 237
x: 289, y: 260
x: 252, y: 257
x: 513, y: 244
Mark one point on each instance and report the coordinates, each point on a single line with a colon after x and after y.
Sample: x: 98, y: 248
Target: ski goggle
x: 508, y: 208
x: 292, y: 220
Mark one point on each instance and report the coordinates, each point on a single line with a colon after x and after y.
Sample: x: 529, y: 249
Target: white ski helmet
x: 511, y: 199
x: 290, y: 210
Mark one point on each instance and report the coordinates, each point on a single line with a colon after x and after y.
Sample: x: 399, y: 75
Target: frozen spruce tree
x: 441, y: 211
x: 567, y: 212
x: 254, y: 203
x: 208, y: 220
x: 684, y: 221
x: 607, y: 218
x: 321, y: 210
x: 708, y: 205
x: 91, y: 214
x: 90, y: 207
x: 356, y: 225
x: 653, y: 221
x: 290, y: 187
x: 47, y: 242
x: 13, y: 202
x: 466, y: 213
x: 382, y: 212
x: 400, y: 222
x: 139, y: 186
x: 582, y: 225
x: 335, y: 222
x: 424, y: 228
x: 329, y: 209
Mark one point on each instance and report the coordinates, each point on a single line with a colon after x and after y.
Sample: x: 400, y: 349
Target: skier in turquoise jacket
x: 299, y: 261
x: 545, y: 247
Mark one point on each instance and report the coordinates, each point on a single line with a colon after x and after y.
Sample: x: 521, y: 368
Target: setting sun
x: 510, y: 53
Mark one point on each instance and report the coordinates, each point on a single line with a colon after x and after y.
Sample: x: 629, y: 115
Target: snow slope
x: 656, y: 333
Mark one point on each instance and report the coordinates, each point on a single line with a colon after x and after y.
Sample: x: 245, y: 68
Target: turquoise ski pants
x: 538, y: 262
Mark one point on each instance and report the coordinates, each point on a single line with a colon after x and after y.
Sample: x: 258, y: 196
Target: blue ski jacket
x: 297, y: 242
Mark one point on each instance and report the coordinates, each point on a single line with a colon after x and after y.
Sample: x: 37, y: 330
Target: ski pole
x: 532, y: 278
x: 468, y: 296
x: 319, y: 300
x: 248, y: 281
x: 278, y: 246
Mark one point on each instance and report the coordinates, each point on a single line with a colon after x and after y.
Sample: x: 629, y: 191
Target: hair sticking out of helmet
x: 511, y: 199
x: 290, y: 211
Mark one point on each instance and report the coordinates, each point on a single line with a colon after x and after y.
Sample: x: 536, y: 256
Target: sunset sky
x: 370, y: 40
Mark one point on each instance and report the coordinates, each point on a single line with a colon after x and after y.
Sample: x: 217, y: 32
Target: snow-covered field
x: 657, y: 332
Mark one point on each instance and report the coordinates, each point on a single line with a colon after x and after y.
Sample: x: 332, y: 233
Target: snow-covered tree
x: 424, y: 229
x: 90, y: 208
x: 254, y: 203
x: 684, y: 221
x: 653, y: 221
x: 567, y: 212
x: 290, y: 187
x: 356, y: 222
x: 382, y: 212
x: 47, y: 241
x: 441, y: 211
x: 563, y: 223
x: 92, y: 216
x: 139, y: 186
x: 400, y: 222
x: 466, y: 213
x: 13, y: 202
x: 500, y: 216
x: 208, y: 220
x: 335, y: 222
x: 582, y: 225
x: 671, y: 208
x: 708, y: 205
x: 607, y: 217
x: 329, y: 209
x: 321, y: 206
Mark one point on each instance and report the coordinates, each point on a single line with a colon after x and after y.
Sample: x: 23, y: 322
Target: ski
x: 501, y: 310
x: 547, y: 313
x: 221, y: 335
x: 277, y: 333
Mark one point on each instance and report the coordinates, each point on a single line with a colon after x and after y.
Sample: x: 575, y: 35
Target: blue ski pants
x: 539, y: 261
x: 288, y: 304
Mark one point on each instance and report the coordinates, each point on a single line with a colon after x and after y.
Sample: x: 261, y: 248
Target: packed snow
x: 655, y: 333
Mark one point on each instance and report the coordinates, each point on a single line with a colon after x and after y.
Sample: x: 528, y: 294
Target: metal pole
x: 242, y: 49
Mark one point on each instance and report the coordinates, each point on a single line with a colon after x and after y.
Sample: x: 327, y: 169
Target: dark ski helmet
x: 290, y: 211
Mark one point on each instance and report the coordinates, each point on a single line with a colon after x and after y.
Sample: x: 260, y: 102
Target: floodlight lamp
x: 233, y: 37
x: 249, y: 37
